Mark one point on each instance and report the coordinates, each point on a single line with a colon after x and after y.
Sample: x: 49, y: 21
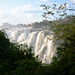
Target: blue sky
x: 24, y: 11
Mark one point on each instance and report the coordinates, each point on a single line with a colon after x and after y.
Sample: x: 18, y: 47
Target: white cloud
x: 15, y: 11
x: 26, y: 9
x: 73, y: 0
x: 22, y: 9
x: 27, y: 6
x: 37, y: 2
x: 29, y: 15
x: 3, y: 17
x: 43, y: 0
x: 23, y: 14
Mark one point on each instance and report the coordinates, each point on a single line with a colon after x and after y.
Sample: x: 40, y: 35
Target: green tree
x: 64, y: 32
x: 17, y: 59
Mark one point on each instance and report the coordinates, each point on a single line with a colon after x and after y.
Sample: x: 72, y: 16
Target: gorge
x: 35, y: 35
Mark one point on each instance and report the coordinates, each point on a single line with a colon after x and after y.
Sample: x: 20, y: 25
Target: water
x: 38, y: 38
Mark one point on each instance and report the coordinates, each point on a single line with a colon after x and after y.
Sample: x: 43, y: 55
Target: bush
x: 17, y: 59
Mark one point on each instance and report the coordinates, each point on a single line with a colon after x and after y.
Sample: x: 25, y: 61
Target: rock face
x: 36, y: 37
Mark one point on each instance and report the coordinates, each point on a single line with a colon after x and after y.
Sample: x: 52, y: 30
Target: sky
x: 24, y: 11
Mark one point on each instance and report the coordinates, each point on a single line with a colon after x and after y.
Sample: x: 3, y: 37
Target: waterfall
x: 38, y: 39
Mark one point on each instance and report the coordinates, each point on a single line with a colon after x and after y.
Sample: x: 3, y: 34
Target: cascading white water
x: 39, y: 39
x: 43, y: 47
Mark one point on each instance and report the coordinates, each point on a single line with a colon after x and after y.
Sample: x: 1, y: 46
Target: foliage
x: 18, y: 59
x: 64, y: 34
x: 60, y: 10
